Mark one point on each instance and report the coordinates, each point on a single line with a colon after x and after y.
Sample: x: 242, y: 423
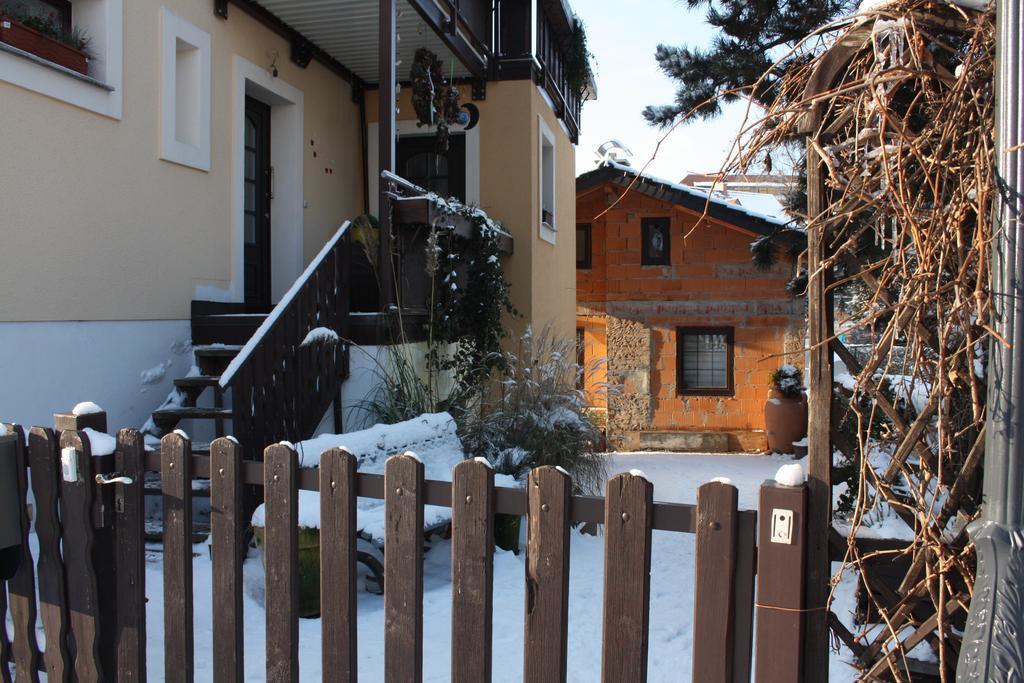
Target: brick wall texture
x: 629, y: 314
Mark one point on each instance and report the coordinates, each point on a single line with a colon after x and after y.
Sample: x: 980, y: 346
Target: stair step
x: 197, y: 381
x: 192, y: 413
x: 228, y: 328
x: 167, y: 418
x: 217, y: 350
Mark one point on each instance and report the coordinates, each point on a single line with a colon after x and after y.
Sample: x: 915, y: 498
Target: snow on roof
x: 714, y: 199
x: 762, y: 203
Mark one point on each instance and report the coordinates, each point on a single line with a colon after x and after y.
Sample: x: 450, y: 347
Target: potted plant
x: 46, y: 37
x: 785, y: 411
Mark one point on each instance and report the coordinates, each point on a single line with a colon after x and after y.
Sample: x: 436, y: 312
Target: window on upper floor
x: 704, y: 361
x: 70, y: 50
x: 584, y: 247
x: 185, y: 93
x: 548, y: 225
x: 655, y: 249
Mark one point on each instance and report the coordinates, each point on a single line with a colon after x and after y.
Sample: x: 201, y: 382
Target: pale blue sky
x: 623, y: 36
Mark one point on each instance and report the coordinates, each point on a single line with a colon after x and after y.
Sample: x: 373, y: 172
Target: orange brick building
x: 690, y: 328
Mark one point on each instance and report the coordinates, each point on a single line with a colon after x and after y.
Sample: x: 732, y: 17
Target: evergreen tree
x: 753, y: 34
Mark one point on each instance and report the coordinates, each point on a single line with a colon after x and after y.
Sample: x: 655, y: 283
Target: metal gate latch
x: 113, y: 478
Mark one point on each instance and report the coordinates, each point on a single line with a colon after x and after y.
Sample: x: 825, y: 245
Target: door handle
x: 113, y: 478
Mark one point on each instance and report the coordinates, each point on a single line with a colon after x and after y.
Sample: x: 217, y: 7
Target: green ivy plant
x: 471, y: 296
x: 578, y: 72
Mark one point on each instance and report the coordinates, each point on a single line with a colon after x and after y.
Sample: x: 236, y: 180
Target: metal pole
x: 993, y: 643
x: 386, y: 141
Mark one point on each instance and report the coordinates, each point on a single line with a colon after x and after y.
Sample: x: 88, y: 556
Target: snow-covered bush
x: 788, y: 380
x: 537, y: 415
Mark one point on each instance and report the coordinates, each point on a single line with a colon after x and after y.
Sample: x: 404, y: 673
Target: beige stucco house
x: 212, y: 148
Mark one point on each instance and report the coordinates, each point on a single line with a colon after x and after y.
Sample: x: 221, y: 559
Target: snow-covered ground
x: 676, y: 478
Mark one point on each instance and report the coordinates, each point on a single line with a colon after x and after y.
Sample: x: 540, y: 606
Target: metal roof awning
x: 347, y: 31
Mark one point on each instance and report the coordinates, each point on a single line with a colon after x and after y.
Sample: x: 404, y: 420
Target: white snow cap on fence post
x: 181, y: 433
x: 86, y: 408
x: 289, y: 444
x: 100, y: 443
x: 638, y: 473
x: 484, y: 461
x: 413, y: 456
x: 791, y: 475
x: 722, y: 480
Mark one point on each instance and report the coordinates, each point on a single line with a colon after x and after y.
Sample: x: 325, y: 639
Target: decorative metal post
x: 993, y: 643
x: 387, y: 75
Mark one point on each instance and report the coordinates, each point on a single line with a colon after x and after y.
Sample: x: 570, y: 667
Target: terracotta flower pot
x: 50, y: 49
x: 785, y: 421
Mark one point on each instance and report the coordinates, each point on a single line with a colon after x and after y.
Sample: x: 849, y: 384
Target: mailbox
x: 10, y: 507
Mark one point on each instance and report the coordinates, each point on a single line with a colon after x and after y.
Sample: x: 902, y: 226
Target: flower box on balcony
x: 43, y: 46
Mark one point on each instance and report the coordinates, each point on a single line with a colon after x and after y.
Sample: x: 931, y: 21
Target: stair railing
x: 285, y: 378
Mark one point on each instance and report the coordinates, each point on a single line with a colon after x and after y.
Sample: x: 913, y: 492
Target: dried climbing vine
x: 897, y: 102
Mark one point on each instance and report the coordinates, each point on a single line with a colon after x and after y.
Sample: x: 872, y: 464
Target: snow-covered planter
x: 432, y: 437
x: 785, y: 411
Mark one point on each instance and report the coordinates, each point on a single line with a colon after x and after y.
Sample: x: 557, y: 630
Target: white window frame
x: 174, y: 29
x: 545, y: 137
x: 100, y: 91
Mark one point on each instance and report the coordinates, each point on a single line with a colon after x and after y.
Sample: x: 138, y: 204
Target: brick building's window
x: 654, y: 242
x: 584, y: 247
x: 704, y: 360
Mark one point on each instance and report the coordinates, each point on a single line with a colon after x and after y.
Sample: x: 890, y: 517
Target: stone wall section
x: 629, y: 369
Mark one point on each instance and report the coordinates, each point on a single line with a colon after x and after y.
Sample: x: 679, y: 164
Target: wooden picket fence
x: 93, y: 610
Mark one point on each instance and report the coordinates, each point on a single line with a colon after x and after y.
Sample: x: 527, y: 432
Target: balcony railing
x: 519, y: 55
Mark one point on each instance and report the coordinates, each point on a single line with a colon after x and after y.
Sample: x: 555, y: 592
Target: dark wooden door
x: 419, y: 162
x: 257, y: 205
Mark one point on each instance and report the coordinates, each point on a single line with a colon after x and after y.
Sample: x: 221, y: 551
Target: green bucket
x: 506, y: 532
x: 309, y: 568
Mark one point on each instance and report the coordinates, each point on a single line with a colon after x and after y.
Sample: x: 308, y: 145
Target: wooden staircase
x: 212, y: 357
x: 282, y: 384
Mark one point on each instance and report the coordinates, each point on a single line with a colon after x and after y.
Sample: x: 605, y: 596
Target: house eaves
x: 680, y: 195
x: 344, y: 33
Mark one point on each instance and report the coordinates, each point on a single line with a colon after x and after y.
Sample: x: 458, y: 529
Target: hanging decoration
x: 435, y: 100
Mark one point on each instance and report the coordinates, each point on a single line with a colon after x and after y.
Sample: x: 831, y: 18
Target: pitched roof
x: 740, y: 179
x: 681, y: 195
